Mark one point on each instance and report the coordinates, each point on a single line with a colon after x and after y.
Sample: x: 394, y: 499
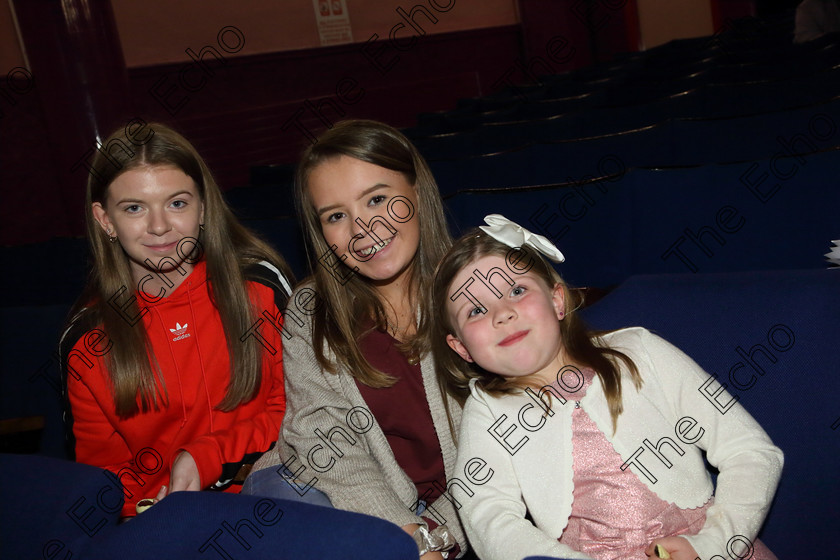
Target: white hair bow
x: 513, y: 235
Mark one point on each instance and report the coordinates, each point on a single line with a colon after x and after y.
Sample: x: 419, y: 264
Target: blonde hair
x: 581, y: 345
x: 350, y: 303
x: 225, y: 245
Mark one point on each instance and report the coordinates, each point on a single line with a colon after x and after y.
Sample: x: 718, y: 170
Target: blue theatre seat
x: 713, y: 218
x: 30, y: 378
x: 59, y: 509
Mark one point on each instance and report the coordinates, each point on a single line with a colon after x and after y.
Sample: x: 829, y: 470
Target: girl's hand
x: 677, y: 547
x: 410, y: 528
x: 184, y: 474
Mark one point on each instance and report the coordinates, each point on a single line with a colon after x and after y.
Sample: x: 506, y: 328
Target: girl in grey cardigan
x: 366, y: 421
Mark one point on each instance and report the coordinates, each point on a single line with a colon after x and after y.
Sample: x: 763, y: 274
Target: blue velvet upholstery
x: 30, y: 377
x: 57, y: 509
x: 52, y: 508
x: 637, y: 223
x: 212, y: 525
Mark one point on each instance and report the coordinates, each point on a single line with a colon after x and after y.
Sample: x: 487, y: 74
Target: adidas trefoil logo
x: 179, y: 332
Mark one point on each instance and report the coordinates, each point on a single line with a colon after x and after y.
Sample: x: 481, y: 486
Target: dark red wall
x: 244, y: 111
x: 265, y: 109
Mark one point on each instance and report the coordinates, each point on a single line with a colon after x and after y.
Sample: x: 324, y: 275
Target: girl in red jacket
x: 173, y: 351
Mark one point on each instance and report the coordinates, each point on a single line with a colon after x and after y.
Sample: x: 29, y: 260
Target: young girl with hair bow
x: 586, y: 482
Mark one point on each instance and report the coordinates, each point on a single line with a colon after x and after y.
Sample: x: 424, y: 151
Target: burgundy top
x: 402, y: 412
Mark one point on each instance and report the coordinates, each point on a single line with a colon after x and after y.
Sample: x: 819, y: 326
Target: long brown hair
x: 581, y: 345
x: 225, y: 245
x: 350, y: 303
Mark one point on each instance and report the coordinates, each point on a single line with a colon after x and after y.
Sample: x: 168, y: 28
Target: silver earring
x: 111, y: 238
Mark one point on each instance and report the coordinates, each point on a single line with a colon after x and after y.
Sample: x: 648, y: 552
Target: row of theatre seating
x: 619, y: 220
x: 710, y: 154
x: 703, y: 155
x: 722, y: 90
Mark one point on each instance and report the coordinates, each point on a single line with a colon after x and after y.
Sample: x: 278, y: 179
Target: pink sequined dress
x: 615, y: 515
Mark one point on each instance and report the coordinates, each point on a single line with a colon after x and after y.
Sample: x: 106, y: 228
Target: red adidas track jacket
x: 188, y: 341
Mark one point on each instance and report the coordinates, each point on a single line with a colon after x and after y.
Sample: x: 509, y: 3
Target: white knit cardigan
x: 532, y: 471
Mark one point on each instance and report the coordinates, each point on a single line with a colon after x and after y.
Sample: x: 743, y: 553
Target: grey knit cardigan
x: 329, y: 438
